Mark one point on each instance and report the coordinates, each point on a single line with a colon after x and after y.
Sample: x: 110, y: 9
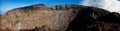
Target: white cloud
x: 111, y: 5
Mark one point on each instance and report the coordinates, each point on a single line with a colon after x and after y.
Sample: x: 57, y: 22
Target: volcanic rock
x: 94, y: 19
x: 59, y: 18
x: 47, y: 18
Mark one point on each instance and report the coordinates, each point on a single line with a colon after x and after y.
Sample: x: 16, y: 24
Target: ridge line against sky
x: 111, y: 5
x: 11, y: 4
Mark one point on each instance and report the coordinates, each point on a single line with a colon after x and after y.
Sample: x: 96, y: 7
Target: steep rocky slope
x: 49, y: 18
x: 59, y: 18
x: 95, y: 20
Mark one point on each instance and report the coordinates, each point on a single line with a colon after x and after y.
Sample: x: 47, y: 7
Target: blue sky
x: 6, y: 5
x: 11, y: 4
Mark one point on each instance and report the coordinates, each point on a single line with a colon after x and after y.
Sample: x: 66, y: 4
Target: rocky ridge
x: 59, y: 18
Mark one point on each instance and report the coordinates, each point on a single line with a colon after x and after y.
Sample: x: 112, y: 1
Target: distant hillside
x: 71, y: 17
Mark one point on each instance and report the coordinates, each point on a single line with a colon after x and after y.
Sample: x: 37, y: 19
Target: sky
x: 111, y: 5
x: 6, y: 5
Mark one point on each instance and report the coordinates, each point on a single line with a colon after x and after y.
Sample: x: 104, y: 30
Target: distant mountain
x: 59, y: 18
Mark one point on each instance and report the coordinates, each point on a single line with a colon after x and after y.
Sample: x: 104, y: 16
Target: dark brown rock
x: 94, y: 19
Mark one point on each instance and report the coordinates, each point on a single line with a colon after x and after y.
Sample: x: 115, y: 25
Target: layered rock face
x: 59, y: 18
x: 48, y: 18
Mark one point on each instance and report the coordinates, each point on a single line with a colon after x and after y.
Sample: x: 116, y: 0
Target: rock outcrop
x: 48, y: 18
x: 94, y: 19
x: 59, y: 18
